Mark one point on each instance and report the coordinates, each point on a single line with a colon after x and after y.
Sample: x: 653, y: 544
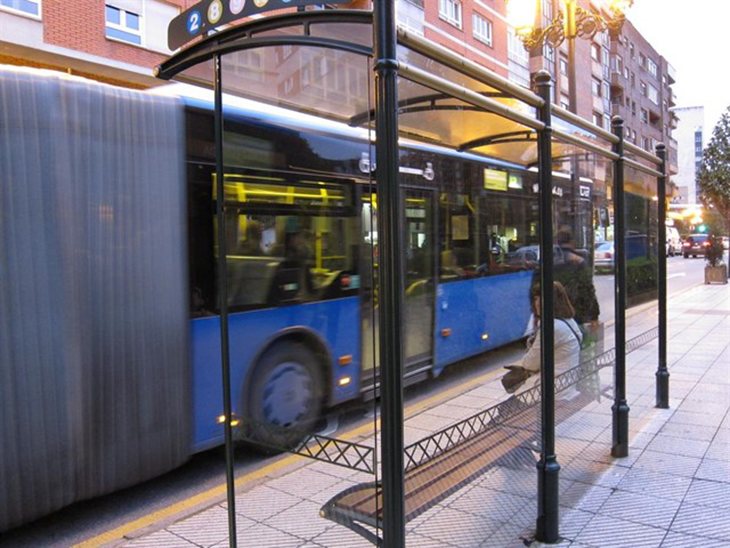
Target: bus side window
x: 457, y: 237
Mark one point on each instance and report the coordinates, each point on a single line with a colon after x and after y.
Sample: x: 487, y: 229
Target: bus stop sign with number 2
x: 205, y: 16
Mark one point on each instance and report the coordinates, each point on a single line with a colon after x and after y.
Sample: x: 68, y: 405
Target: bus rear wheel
x: 285, y: 397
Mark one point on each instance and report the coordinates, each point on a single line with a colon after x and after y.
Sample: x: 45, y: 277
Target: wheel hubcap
x: 288, y: 394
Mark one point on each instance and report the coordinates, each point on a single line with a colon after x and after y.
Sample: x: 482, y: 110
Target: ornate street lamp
x: 570, y: 22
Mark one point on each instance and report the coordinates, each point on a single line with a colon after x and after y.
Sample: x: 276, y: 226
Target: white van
x: 674, y: 242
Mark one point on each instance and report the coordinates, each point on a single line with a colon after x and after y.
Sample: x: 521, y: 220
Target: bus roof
x: 198, y: 97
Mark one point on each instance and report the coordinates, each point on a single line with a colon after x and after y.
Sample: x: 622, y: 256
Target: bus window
x: 288, y: 242
x: 507, y: 225
x: 458, y: 238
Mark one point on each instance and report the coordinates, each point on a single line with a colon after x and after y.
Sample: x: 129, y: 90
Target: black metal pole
x: 620, y: 445
x: 390, y: 273
x: 548, y: 469
x: 662, y: 374
x: 220, y: 212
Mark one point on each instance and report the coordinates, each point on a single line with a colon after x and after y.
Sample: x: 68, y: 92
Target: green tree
x: 713, y: 178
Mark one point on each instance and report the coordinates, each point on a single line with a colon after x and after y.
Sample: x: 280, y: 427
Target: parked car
x: 674, y: 242
x: 603, y: 257
x: 695, y: 244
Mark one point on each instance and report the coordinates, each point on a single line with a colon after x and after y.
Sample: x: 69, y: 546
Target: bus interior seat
x: 249, y: 279
x: 286, y: 285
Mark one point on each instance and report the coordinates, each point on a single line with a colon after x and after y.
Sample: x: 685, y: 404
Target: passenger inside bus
x: 252, y: 245
x: 293, y: 278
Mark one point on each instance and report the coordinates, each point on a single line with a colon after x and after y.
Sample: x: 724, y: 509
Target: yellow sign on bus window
x: 495, y: 179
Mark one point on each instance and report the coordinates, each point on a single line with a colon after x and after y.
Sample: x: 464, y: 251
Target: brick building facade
x: 118, y: 42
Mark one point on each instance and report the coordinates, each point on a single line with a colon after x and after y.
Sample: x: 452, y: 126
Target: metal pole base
x: 662, y: 389
x: 620, y: 446
x: 548, y: 515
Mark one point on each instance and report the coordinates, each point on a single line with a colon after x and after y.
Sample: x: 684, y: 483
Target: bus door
x: 419, y: 281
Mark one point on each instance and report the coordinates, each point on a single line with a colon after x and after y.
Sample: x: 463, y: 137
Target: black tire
x: 284, y: 397
x: 686, y: 255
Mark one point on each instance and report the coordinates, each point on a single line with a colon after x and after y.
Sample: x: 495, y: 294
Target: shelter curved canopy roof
x: 321, y: 63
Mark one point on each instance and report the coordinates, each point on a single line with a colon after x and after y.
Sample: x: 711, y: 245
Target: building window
x: 482, y: 29
x: 549, y: 53
x: 595, y: 52
x: 651, y: 67
x: 618, y: 64
x: 644, y: 115
x: 450, y: 10
x: 563, y: 65
x: 516, y: 49
x: 642, y: 60
x: 597, y: 119
x: 410, y: 15
x: 653, y: 94
x: 31, y: 7
x: 123, y: 25
x: 642, y: 88
x: 606, y: 90
x: 631, y: 49
x: 596, y: 87
x: 288, y: 85
x: 283, y: 53
x: 565, y: 102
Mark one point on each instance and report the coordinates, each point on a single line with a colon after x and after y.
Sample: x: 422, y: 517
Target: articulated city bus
x: 110, y: 333
x: 302, y: 244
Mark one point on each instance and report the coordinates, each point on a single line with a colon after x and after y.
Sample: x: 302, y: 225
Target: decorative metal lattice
x: 360, y: 457
x: 443, y: 440
x: 342, y: 453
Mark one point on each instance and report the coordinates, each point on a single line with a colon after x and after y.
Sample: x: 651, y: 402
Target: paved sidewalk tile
x: 609, y: 532
x: 671, y: 491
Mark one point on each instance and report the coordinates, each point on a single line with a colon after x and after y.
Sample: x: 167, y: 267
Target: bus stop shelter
x: 359, y: 69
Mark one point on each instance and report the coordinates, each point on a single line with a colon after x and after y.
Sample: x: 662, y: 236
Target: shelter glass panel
x: 642, y: 259
x: 301, y: 268
x: 320, y: 81
x: 469, y: 449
